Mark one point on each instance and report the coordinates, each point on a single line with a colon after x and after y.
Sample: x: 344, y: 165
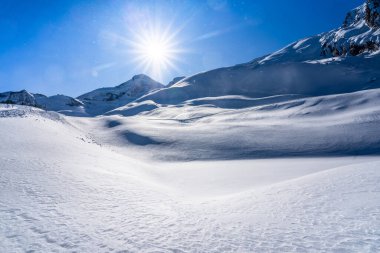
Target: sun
x: 156, y: 51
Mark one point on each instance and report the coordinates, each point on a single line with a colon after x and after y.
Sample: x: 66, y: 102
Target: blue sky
x: 71, y: 47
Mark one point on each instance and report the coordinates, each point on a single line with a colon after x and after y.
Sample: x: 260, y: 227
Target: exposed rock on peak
x: 359, y: 34
x: 368, y: 13
x: 354, y: 16
x: 319, y: 65
x: 19, y: 97
x: 372, y: 12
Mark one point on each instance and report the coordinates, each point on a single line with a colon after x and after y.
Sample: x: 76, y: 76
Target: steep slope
x: 102, y: 100
x: 339, y: 61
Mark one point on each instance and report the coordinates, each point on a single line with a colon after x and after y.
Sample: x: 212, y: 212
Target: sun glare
x: 155, y: 51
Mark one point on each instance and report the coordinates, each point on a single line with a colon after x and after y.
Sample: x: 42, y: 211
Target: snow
x: 279, y: 74
x: 103, y: 100
x: 133, y: 108
x: 350, y: 52
x: 63, y: 190
x: 221, y: 128
x: 175, y: 80
x: 59, y: 103
x: 280, y: 154
x: 62, y: 104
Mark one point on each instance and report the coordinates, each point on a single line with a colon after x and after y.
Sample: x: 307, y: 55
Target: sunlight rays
x: 155, y: 51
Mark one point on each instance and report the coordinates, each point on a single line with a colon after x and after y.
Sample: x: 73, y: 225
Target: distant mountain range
x: 93, y: 103
x: 343, y: 60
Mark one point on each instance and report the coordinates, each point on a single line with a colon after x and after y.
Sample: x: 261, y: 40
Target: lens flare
x: 155, y: 51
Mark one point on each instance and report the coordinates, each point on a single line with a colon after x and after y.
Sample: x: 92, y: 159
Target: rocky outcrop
x: 19, y: 97
x: 372, y: 11
x: 359, y: 33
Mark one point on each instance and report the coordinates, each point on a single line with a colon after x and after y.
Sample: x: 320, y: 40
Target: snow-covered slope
x: 62, y: 104
x: 102, y: 100
x: 63, y: 191
x: 343, y: 60
x: 343, y: 124
x: 175, y: 80
x: 240, y: 159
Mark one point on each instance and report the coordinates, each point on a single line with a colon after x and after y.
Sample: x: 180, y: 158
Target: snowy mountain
x: 59, y: 103
x: 102, y: 100
x: 92, y: 103
x: 19, y: 97
x: 281, y: 154
x: 343, y: 60
x: 359, y: 34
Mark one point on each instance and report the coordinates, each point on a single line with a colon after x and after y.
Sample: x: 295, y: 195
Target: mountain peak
x: 367, y: 12
x: 141, y: 76
x: 102, y: 100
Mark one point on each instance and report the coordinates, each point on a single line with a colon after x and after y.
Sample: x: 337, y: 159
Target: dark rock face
x: 372, y: 11
x: 353, y: 17
x: 369, y: 46
x: 73, y: 102
x: 352, y: 49
x: 21, y: 98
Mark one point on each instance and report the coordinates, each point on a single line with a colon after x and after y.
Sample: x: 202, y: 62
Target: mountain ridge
x: 342, y: 60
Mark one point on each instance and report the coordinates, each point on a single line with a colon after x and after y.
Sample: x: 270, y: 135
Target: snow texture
x: 280, y: 154
x: 63, y: 191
